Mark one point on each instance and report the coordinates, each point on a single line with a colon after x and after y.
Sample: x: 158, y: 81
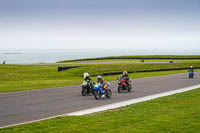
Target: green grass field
x: 177, y: 113
x: 27, y: 77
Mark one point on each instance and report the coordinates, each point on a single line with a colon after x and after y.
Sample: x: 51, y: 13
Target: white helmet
x: 191, y: 66
x: 85, y: 75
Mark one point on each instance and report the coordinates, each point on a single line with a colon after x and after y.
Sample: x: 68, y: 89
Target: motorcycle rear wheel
x: 108, y: 93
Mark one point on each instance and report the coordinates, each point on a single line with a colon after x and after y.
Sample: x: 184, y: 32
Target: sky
x: 100, y: 24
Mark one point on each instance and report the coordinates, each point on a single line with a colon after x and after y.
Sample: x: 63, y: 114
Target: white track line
x: 114, y: 105
x: 132, y: 101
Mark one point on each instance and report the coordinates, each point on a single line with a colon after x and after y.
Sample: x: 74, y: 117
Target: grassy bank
x: 148, y: 57
x: 27, y: 77
x: 133, y: 60
x: 177, y: 113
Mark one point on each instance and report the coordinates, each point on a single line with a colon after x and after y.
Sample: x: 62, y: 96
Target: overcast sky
x: 139, y: 24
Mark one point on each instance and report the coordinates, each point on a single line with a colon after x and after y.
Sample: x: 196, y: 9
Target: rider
x: 191, y: 69
x: 102, y: 83
x: 88, y: 79
x: 125, y: 76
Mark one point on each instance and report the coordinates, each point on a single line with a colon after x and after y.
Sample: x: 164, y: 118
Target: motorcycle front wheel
x: 129, y: 88
x: 97, y: 95
x: 119, y: 89
x: 191, y: 76
x: 84, y: 91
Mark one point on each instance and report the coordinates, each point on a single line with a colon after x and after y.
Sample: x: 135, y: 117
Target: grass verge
x: 28, y: 77
x: 177, y: 113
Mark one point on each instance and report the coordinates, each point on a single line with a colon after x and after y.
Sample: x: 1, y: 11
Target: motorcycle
x: 123, y: 85
x: 100, y: 92
x: 191, y: 74
x: 87, y: 88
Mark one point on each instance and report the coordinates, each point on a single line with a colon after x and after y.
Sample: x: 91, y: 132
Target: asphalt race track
x: 18, y: 107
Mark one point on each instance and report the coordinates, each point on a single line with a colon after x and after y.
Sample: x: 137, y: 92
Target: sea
x: 37, y: 56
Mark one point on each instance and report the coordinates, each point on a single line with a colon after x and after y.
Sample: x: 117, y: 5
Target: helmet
x: 85, y: 75
x: 125, y: 73
x: 191, y: 66
x: 99, y: 78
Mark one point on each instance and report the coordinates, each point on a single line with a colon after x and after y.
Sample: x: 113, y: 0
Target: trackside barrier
x: 66, y: 68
